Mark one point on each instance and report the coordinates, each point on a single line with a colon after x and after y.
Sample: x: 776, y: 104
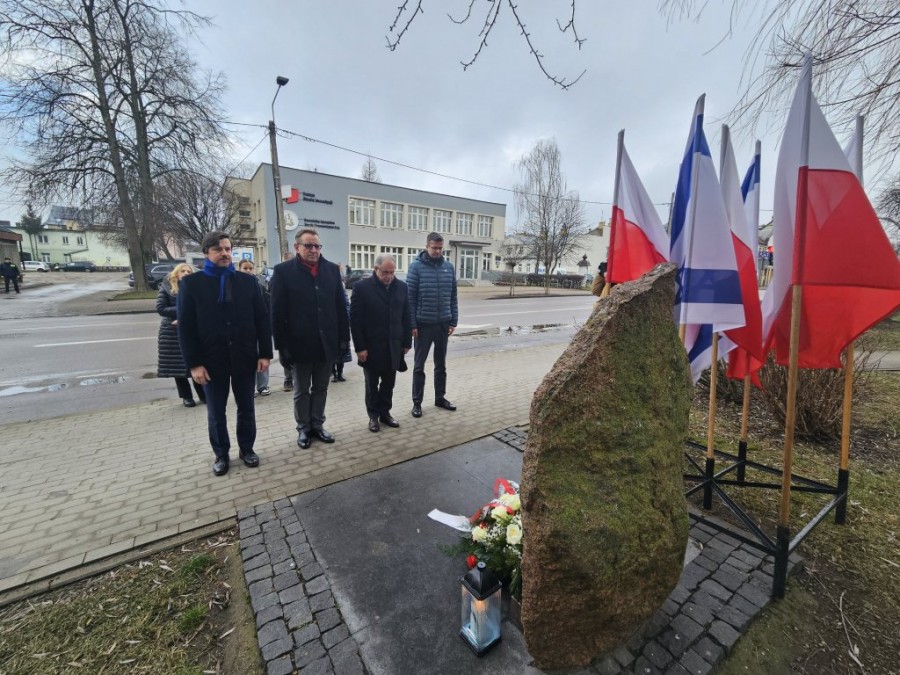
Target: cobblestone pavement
x: 721, y: 591
x: 77, y: 489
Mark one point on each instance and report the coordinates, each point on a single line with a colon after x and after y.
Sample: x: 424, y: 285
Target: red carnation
x: 471, y: 561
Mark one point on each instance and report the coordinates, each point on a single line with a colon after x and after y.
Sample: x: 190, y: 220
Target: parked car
x: 79, y: 266
x: 36, y: 266
x: 157, y: 272
x: 355, y: 276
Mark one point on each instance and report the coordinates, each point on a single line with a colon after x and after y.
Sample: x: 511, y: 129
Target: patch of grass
x: 164, y: 614
x: 886, y: 335
x: 136, y: 295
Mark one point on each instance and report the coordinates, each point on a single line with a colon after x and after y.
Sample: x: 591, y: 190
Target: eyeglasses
x: 310, y: 247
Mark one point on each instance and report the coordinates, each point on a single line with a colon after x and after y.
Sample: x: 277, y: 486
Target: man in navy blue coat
x: 382, y: 334
x: 225, y: 338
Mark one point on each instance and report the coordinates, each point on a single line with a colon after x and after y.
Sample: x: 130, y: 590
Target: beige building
x: 357, y: 220
x: 69, y: 234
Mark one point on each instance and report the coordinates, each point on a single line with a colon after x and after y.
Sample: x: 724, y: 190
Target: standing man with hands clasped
x: 311, y: 328
x: 432, y: 298
x: 382, y: 334
x: 225, y: 338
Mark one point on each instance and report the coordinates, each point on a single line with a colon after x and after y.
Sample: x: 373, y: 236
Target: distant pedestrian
x: 337, y: 368
x: 310, y: 326
x: 382, y: 334
x: 10, y: 273
x: 170, y: 363
x: 288, y: 384
x: 262, y: 376
x: 225, y: 336
x: 433, y: 305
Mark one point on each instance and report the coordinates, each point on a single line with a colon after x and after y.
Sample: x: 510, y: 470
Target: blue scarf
x: 210, y: 269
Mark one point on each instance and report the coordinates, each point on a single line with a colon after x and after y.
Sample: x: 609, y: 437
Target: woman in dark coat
x: 170, y: 361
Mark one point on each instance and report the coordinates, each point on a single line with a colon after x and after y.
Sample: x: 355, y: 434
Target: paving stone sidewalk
x: 721, y: 591
x: 81, y: 488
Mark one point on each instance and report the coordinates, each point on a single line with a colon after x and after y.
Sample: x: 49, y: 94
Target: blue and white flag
x: 709, y: 289
x: 708, y: 294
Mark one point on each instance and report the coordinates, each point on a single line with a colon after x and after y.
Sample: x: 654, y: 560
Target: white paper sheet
x: 460, y: 523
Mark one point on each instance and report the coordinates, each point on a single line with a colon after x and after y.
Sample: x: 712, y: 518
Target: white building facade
x: 357, y: 220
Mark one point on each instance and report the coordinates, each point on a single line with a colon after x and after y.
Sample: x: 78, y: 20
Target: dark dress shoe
x: 417, y: 410
x: 373, y: 424
x: 390, y: 421
x: 249, y: 458
x: 220, y: 468
x: 322, y: 435
x: 303, y: 440
x: 445, y: 404
x: 334, y: 378
x: 341, y: 378
x: 188, y: 402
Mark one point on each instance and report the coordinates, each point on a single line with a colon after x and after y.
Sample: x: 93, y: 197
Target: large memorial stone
x: 604, y: 514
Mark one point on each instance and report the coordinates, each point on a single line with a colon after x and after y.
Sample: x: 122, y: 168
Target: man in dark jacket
x: 10, y: 272
x: 311, y: 328
x: 225, y: 337
x: 382, y: 333
x: 432, y: 299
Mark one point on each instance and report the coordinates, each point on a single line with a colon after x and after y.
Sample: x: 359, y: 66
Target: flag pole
x: 782, y: 544
x: 617, y: 184
x: 840, y: 514
x: 711, y: 429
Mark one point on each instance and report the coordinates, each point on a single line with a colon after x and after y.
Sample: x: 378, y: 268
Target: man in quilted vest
x: 432, y: 299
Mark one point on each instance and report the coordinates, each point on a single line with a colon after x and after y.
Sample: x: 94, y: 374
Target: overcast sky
x: 417, y: 106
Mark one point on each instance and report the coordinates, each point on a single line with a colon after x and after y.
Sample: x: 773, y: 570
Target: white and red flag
x: 743, y: 345
x: 827, y: 240
x: 638, y: 240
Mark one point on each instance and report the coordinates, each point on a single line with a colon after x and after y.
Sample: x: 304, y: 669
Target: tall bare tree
x: 514, y: 252
x: 889, y: 212
x: 191, y: 205
x: 553, y: 223
x: 486, y: 14
x: 855, y: 46
x: 104, y: 99
x: 370, y: 171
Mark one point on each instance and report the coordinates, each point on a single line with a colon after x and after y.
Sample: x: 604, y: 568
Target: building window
x: 486, y: 261
x: 43, y: 239
x: 45, y: 257
x: 486, y: 226
x: 362, y: 212
x: 391, y: 215
x: 411, y: 254
x: 417, y: 217
x: 65, y: 240
x: 468, y: 263
x: 80, y: 241
x: 464, y: 223
x: 397, y: 252
x: 442, y: 220
x: 362, y: 256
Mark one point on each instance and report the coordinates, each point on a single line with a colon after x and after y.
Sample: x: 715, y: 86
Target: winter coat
x: 225, y: 335
x: 9, y: 270
x: 169, y: 360
x: 309, y: 315
x: 380, y: 323
x: 432, y: 291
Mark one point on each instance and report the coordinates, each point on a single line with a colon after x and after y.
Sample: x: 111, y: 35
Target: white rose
x: 500, y: 513
x: 513, y: 534
x: 512, y: 501
x: 479, y: 533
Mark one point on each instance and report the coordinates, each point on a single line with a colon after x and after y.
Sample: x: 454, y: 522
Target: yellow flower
x: 500, y: 513
x: 479, y: 533
x: 513, y: 534
x: 512, y: 501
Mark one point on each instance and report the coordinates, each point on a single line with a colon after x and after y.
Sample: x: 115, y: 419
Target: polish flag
x: 638, y: 239
x: 289, y: 194
x: 743, y: 345
x: 829, y: 242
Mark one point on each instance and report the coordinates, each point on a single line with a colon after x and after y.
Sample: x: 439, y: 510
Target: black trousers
x: 242, y: 382
x: 310, y: 394
x: 433, y: 334
x: 379, y: 391
x: 184, y: 389
x: 15, y: 281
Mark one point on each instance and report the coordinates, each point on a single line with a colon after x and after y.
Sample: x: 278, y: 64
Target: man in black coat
x: 311, y: 329
x: 10, y: 272
x: 225, y: 337
x: 382, y: 333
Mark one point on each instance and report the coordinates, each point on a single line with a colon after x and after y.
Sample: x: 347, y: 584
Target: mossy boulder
x: 604, y: 515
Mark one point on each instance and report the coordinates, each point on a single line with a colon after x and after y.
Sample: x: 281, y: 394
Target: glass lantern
x: 480, y: 609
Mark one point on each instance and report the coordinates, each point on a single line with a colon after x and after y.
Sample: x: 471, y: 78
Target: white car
x: 36, y: 266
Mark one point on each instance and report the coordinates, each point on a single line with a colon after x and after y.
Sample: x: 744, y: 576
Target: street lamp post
x: 276, y: 177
